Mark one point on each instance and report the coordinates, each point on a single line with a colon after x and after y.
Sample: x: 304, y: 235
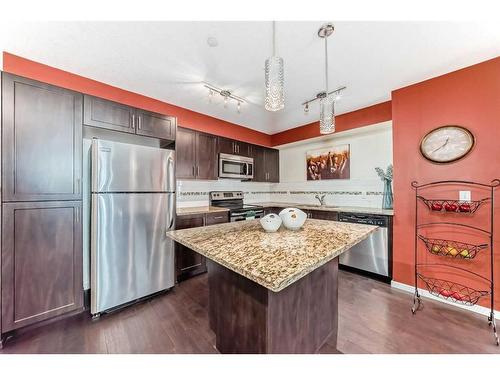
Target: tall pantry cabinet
x: 41, y: 252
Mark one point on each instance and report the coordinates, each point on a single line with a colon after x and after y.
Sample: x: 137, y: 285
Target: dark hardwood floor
x: 373, y: 318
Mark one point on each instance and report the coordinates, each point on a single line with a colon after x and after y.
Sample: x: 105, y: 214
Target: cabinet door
x: 243, y: 149
x: 324, y: 215
x: 156, y: 125
x: 272, y: 165
x: 188, y: 262
x: 206, y: 157
x: 185, y: 154
x: 108, y: 115
x: 42, y: 141
x: 259, y: 164
x: 226, y: 146
x: 41, y: 261
x: 216, y: 218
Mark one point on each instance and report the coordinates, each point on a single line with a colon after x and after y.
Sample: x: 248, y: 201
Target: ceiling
x: 170, y: 61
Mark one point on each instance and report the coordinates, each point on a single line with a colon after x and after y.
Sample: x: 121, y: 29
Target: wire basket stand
x: 450, y: 248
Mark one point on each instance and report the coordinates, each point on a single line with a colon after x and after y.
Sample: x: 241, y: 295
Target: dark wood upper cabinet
x: 185, y: 154
x: 41, y: 141
x: 226, y: 146
x: 41, y: 261
x: 106, y: 114
x: 272, y: 162
x: 266, y: 164
x: 206, y: 157
x: 155, y: 125
x: 110, y: 115
x: 231, y: 146
x: 196, y: 155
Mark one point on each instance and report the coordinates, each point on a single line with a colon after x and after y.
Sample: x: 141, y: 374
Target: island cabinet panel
x: 156, y: 125
x: 41, y: 262
x: 248, y: 318
x: 196, y: 155
x: 41, y: 141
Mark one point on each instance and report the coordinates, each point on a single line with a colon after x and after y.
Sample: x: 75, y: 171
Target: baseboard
x: 424, y: 293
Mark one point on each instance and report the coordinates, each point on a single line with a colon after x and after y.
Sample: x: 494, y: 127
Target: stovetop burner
x: 233, y: 200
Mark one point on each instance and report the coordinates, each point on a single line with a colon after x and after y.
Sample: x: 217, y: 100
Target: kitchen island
x: 273, y: 292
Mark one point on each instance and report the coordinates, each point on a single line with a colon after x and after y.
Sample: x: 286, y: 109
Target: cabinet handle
x: 139, y: 122
x: 133, y: 121
x: 194, y: 171
x: 218, y: 217
x: 77, y: 214
x: 197, y: 170
x: 78, y: 185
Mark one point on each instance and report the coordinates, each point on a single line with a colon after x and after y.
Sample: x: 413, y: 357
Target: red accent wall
x: 362, y: 117
x: 186, y: 118
x: 468, y: 97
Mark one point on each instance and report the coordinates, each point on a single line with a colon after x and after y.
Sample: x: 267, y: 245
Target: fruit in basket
x: 464, y: 207
x: 465, y: 253
x: 457, y: 296
x: 446, y: 293
x: 451, y: 207
x: 450, y: 250
x: 436, y: 206
x: 436, y: 249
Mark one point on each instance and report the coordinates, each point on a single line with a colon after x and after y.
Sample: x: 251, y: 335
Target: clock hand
x: 440, y: 147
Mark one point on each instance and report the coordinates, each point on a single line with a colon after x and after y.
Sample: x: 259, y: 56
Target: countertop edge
x: 293, y: 278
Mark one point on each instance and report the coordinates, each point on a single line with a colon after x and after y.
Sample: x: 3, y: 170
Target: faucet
x: 321, y: 199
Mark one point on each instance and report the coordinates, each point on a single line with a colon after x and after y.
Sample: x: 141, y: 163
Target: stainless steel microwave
x: 234, y: 166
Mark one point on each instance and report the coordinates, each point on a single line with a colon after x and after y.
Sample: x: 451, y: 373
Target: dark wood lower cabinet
x: 41, y: 261
x: 188, y: 262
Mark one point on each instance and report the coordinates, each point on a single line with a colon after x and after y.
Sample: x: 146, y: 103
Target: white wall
x: 371, y: 147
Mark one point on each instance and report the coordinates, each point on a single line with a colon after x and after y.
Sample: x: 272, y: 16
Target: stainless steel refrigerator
x: 133, y: 205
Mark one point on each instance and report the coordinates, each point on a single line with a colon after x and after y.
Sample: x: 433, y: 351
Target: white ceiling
x: 170, y: 60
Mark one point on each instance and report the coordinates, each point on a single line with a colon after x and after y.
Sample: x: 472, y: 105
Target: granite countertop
x: 355, y: 209
x: 199, y: 210
x: 273, y: 260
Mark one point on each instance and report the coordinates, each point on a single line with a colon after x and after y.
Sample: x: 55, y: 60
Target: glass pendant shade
x: 327, y: 115
x: 275, y: 84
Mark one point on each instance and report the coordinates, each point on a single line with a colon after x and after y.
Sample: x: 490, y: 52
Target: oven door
x: 232, y: 166
x: 247, y: 215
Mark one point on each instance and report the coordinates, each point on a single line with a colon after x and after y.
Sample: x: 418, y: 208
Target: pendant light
x: 327, y: 102
x: 275, y: 79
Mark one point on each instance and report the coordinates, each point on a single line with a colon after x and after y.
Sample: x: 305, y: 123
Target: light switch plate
x: 464, y: 195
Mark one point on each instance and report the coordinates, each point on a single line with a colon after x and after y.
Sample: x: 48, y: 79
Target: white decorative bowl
x: 270, y: 222
x: 293, y: 218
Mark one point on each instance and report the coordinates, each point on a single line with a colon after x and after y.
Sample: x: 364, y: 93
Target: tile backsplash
x: 368, y: 193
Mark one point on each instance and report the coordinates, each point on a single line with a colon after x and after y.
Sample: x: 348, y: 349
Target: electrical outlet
x: 464, y: 195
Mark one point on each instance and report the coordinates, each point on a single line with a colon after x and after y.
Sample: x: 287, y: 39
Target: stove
x: 233, y: 200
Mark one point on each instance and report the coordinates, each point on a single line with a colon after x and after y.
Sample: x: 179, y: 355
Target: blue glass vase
x: 387, y: 198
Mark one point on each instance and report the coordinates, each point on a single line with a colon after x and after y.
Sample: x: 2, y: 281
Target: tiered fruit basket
x: 454, y: 250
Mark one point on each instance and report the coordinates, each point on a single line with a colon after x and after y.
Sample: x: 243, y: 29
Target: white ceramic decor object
x: 270, y: 222
x: 293, y: 218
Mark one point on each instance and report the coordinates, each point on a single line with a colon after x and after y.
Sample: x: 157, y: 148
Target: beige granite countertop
x: 199, y: 210
x: 354, y: 209
x: 273, y: 260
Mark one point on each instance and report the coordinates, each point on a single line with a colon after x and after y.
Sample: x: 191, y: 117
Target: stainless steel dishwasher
x: 372, y: 256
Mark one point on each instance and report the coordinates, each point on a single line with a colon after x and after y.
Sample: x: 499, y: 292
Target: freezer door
x: 122, y: 167
x: 131, y: 256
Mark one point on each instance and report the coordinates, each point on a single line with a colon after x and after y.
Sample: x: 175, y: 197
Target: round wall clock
x: 447, y: 144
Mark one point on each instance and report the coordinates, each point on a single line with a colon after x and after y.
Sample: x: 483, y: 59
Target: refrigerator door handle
x: 170, y: 174
x: 171, y: 211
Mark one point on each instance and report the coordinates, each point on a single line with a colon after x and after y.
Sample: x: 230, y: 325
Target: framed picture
x: 331, y: 163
